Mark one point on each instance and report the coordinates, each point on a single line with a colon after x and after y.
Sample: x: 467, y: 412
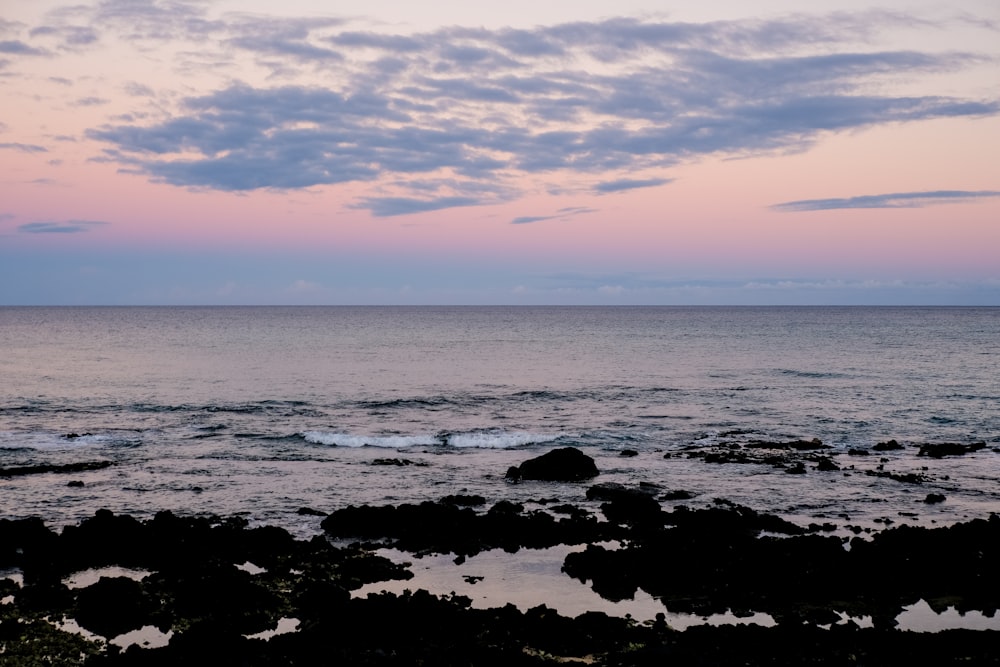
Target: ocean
x: 261, y: 411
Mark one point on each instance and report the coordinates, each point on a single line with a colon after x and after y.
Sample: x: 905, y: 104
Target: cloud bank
x: 465, y: 116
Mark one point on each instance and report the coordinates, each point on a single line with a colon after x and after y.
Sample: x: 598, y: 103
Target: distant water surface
x: 262, y: 410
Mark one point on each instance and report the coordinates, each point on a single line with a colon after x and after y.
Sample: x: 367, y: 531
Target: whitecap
x: 497, y: 439
x: 487, y: 439
x: 352, y: 440
x: 13, y: 440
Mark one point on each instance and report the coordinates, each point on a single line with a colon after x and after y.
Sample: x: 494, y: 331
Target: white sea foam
x: 352, y: 440
x: 497, y: 439
x: 472, y: 439
x: 47, y: 440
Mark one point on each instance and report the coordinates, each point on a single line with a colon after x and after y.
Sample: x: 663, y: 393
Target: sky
x: 588, y: 152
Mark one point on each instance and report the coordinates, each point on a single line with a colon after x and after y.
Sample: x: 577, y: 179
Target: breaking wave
x: 489, y: 439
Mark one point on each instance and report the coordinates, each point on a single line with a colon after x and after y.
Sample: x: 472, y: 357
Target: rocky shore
x: 219, y: 590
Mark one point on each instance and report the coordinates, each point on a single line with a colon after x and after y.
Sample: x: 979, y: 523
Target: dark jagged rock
x: 566, y: 464
x: 443, y: 527
x: 112, y: 606
x: 397, y: 462
x: 943, y: 449
x: 887, y: 446
x: 628, y: 453
x: 506, y: 508
x: 614, y: 491
x: 933, y: 498
x: 635, y: 507
x: 906, y: 478
x: 826, y: 464
x: 47, y: 468
x: 701, y: 561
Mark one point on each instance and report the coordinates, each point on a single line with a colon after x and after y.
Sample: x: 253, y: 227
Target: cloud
x: 383, y: 207
x: 19, y: 48
x: 136, y: 89
x: 893, y: 200
x: 528, y: 219
x: 24, y: 148
x: 68, y: 227
x: 608, y: 98
x: 72, y: 36
x: 90, y: 102
x: 624, y: 184
x: 285, y: 37
x: 561, y: 214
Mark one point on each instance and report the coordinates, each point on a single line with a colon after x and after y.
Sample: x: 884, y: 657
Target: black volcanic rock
x: 39, y: 469
x: 112, y: 606
x: 566, y: 464
x: 937, y: 451
x: 887, y: 446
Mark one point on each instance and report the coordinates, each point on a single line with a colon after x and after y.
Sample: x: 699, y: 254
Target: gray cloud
x: 90, y: 102
x: 136, y: 89
x: 384, y: 207
x: 528, y: 219
x: 492, y: 106
x: 562, y: 214
x: 19, y: 48
x: 24, y: 148
x: 71, y: 36
x: 152, y: 20
x: 284, y: 37
x: 892, y: 200
x: 67, y: 227
x: 624, y: 184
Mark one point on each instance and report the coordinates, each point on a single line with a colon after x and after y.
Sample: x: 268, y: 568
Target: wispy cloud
x: 136, y: 89
x: 90, y: 102
x: 623, y: 184
x: 67, y: 227
x: 23, y: 148
x: 612, y: 97
x: 892, y: 200
x: 528, y: 219
x: 384, y: 207
x: 561, y: 214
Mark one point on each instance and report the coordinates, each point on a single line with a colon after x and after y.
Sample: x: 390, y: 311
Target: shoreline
x: 214, y: 585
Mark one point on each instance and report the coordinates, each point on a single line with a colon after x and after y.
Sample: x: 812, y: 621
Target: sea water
x: 260, y: 411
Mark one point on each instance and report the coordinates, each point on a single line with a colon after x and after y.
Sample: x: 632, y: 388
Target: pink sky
x: 584, y: 153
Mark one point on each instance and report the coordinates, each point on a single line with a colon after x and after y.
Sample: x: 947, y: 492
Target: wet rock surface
x: 565, y: 464
x: 940, y: 450
x: 214, y: 582
x: 85, y: 466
